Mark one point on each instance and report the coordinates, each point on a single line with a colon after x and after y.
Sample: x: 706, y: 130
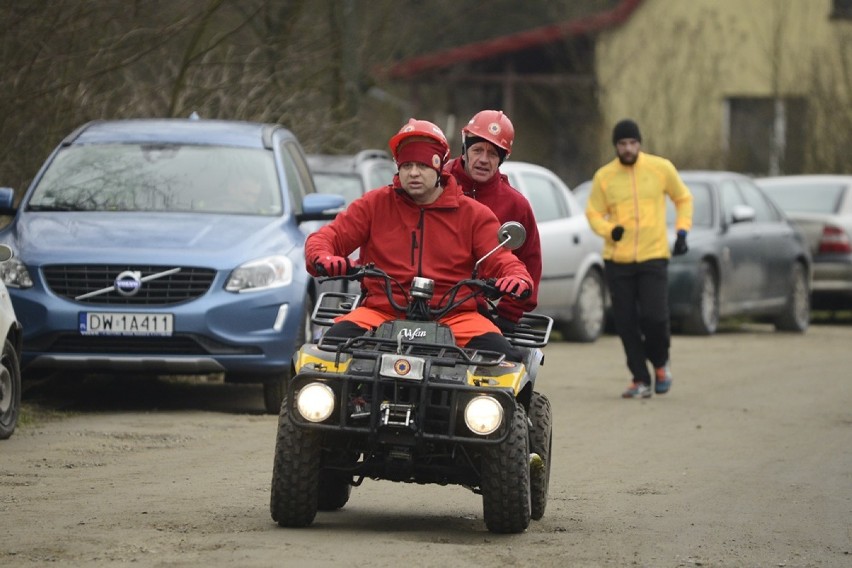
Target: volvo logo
x: 128, y: 283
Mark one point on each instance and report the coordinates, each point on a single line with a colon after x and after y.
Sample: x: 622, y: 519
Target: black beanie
x: 625, y: 129
x: 471, y: 140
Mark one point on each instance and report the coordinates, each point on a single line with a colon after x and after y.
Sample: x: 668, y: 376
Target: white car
x: 572, y: 289
x: 10, y: 367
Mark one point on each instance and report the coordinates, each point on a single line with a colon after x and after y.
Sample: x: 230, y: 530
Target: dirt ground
x: 747, y: 462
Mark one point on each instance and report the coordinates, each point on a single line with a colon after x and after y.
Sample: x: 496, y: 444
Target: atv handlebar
x: 418, y: 306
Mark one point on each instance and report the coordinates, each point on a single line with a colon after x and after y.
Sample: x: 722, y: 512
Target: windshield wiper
x: 32, y: 207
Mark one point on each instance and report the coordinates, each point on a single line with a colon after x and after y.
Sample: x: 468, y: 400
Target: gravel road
x: 747, y: 462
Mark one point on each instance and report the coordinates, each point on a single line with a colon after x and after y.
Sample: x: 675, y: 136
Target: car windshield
x: 347, y: 185
x: 174, y: 178
x: 810, y: 198
x: 702, y: 206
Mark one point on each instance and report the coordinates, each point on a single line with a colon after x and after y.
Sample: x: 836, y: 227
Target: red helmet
x: 491, y: 125
x: 420, y: 128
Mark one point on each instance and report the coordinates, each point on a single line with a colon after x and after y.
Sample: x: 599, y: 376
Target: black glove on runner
x: 617, y: 233
x: 680, y: 244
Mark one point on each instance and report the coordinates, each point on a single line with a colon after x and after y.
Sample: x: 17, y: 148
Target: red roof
x: 536, y: 37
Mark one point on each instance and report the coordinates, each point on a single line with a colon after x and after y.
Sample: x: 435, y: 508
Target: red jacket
x: 441, y: 241
x: 509, y: 205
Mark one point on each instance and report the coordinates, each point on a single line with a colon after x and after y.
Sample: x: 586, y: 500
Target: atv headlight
x: 315, y: 402
x: 261, y: 274
x: 14, y: 274
x: 483, y: 415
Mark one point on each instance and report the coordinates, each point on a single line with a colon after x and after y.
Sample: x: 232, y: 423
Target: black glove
x: 617, y: 233
x: 505, y: 325
x: 680, y: 244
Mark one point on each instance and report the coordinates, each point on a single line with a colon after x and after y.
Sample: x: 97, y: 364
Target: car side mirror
x: 320, y: 207
x: 742, y: 214
x: 7, y: 201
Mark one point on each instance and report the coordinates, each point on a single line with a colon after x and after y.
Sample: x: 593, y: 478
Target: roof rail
x: 371, y: 154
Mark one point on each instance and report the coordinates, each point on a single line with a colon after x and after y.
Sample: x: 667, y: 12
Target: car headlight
x: 483, y: 415
x: 261, y: 274
x: 15, y: 274
x: 315, y: 402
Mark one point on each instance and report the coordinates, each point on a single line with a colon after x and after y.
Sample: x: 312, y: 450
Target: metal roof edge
x: 411, y: 67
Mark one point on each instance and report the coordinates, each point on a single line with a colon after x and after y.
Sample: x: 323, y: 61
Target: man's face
x: 420, y: 182
x: 481, y: 161
x: 627, y: 150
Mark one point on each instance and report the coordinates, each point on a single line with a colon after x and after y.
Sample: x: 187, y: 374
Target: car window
x: 730, y: 197
x: 347, y: 185
x: 132, y: 177
x: 702, y: 206
x: 380, y: 174
x: 810, y: 198
x: 546, y: 198
x: 763, y: 211
x: 297, y: 175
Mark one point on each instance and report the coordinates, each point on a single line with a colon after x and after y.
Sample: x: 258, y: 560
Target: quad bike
x: 405, y: 403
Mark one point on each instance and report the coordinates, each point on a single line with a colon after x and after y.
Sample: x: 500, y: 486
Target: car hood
x: 149, y: 238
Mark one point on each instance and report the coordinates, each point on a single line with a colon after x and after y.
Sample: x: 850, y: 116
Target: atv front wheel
x: 295, y: 473
x: 541, y: 442
x: 506, y: 479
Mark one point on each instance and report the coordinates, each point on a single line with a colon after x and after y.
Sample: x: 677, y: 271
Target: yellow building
x: 756, y: 86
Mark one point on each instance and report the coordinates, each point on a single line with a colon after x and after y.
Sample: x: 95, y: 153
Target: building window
x: 841, y: 9
x: 765, y: 136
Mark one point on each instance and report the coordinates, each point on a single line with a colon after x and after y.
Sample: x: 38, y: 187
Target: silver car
x: 821, y: 207
x: 572, y: 289
x: 10, y: 357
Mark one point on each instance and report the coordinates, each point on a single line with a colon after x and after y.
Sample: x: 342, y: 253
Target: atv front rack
x: 371, y: 347
x: 533, y: 330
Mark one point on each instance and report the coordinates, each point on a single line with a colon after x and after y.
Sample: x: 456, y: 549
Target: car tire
x: 10, y: 390
x: 704, y: 317
x: 588, y: 313
x: 797, y: 310
x: 274, y: 389
x: 541, y: 443
x: 505, y: 480
x: 295, y: 473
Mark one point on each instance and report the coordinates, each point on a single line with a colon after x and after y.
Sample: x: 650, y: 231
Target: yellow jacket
x: 635, y: 198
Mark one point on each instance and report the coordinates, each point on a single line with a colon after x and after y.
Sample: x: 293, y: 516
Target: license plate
x: 125, y: 323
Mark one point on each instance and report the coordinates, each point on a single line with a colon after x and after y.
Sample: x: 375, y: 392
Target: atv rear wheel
x: 541, y: 443
x: 295, y: 473
x: 506, y: 479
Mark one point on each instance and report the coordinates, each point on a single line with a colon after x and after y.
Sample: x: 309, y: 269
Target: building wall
x: 675, y: 65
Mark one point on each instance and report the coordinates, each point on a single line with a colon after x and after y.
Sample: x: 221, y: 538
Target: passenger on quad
x: 420, y: 226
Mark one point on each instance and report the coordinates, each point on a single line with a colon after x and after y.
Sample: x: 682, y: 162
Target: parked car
x: 351, y: 175
x: 132, y: 257
x: 821, y: 207
x: 10, y: 367
x: 745, y: 258
x: 572, y: 289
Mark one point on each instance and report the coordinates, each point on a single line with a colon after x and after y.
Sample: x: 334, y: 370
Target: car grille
x: 74, y: 280
x: 125, y: 345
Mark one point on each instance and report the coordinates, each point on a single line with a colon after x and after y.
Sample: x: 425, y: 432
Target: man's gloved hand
x: 331, y: 265
x: 617, y: 233
x: 505, y: 325
x: 514, y: 286
x: 680, y: 244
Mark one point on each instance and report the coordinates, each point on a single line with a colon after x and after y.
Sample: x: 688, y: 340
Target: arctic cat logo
x: 412, y: 333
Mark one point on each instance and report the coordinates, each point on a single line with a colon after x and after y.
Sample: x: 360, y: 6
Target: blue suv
x: 166, y: 246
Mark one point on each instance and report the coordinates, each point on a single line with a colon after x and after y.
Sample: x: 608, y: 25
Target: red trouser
x: 465, y: 325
